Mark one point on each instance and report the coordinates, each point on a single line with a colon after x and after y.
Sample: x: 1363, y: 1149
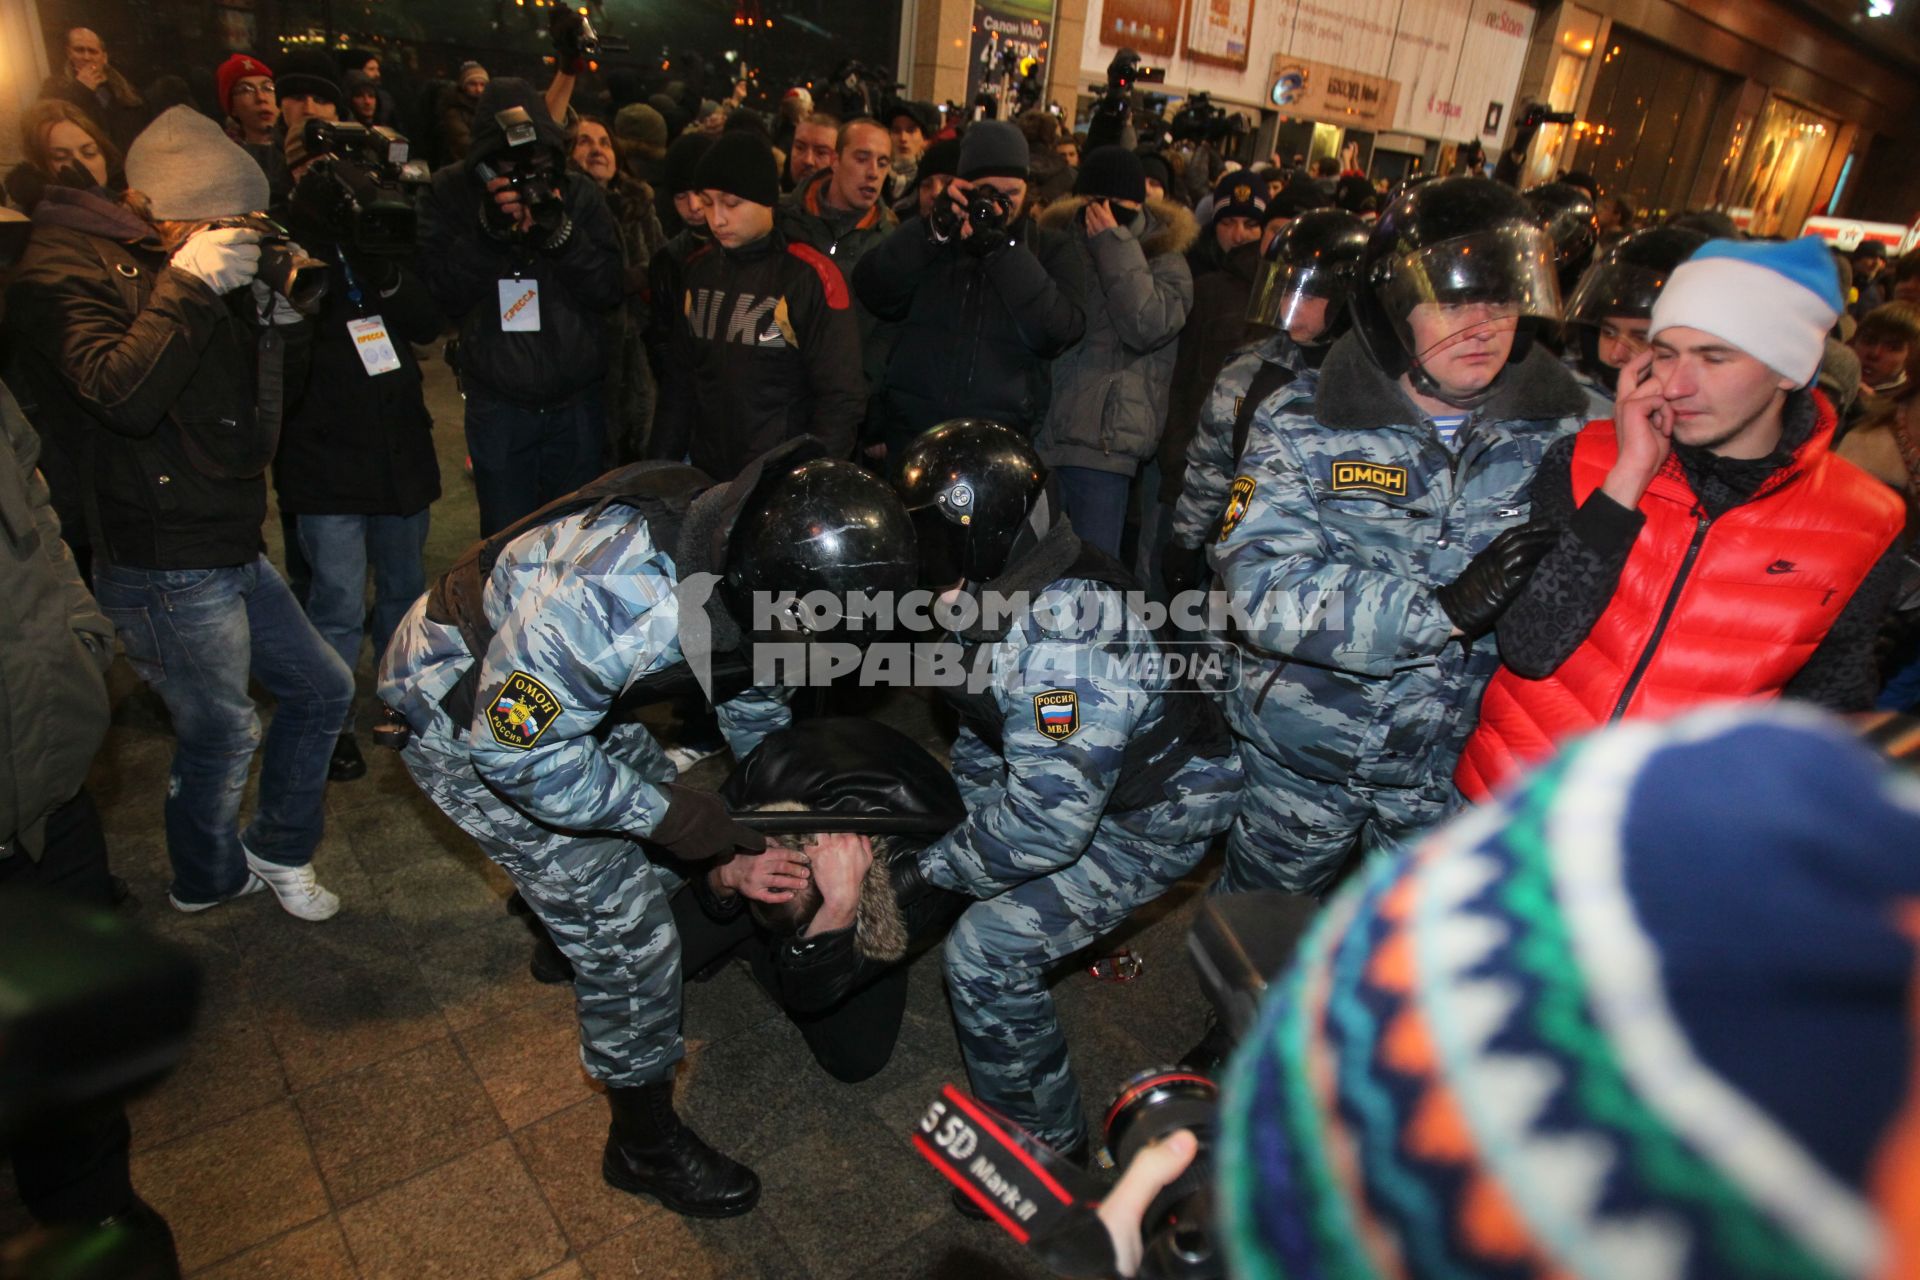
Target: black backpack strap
x: 457, y: 597
x: 1269, y: 378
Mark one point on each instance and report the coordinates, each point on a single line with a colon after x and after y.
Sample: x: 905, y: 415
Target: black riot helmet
x: 1566, y: 211
x: 1315, y: 258
x: 969, y: 484
x: 1623, y: 285
x: 817, y: 526
x: 1469, y: 246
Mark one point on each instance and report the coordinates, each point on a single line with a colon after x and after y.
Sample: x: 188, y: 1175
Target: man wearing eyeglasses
x: 252, y: 103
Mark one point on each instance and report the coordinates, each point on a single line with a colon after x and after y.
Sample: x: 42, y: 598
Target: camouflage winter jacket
x: 1346, y: 513
x: 582, y: 608
x: 1209, y: 469
x: 1074, y: 682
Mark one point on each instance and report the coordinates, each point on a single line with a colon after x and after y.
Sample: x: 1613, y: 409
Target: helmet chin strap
x: 1423, y: 383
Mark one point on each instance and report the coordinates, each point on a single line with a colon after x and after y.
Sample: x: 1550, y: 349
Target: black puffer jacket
x: 976, y: 333
x: 579, y: 282
x: 356, y: 443
x: 159, y: 374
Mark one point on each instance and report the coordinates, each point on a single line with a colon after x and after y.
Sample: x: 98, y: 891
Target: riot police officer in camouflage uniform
x: 1092, y: 781
x: 513, y: 674
x: 1377, y: 524
x: 1301, y: 295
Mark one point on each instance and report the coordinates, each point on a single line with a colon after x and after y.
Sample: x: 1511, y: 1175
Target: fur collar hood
x: 1354, y: 393
x: 1170, y: 228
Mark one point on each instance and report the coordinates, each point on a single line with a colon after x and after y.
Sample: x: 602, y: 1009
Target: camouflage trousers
x: 1298, y: 833
x: 605, y: 904
x: 999, y: 955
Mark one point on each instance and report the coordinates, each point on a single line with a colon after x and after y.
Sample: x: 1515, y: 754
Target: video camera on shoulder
x: 357, y: 186
x: 1538, y: 114
x: 1237, y: 944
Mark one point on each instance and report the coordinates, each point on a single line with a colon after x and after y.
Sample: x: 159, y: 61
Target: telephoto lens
x: 1178, y: 1227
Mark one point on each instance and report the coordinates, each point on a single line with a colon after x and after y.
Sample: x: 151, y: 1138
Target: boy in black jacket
x: 764, y: 346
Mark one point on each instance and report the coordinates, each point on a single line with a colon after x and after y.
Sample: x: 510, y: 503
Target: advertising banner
x: 1338, y: 95
x: 1492, y: 54
x: 1150, y: 27
x: 1426, y: 60
x: 1218, y: 31
x: 1005, y: 34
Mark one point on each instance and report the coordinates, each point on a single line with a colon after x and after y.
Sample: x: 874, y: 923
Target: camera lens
x: 1178, y: 1224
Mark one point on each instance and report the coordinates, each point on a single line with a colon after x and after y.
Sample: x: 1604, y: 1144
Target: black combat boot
x: 650, y: 1152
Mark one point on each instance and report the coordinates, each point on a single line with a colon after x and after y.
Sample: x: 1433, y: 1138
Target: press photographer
x: 525, y: 258
x: 356, y: 467
x: 155, y: 344
x: 983, y: 296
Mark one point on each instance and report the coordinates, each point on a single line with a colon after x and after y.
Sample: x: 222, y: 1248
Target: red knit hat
x: 232, y: 71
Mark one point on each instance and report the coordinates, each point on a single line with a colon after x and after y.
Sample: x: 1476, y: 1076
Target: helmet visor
x: 1301, y: 301
x: 1470, y: 286
x: 1614, y: 288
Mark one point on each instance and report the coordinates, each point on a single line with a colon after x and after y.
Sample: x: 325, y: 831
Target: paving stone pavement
x: 390, y: 1096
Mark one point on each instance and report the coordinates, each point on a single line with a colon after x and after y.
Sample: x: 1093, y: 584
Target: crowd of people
x: 1457, y: 474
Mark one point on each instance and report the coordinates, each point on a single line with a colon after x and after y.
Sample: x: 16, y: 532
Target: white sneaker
x: 684, y: 758
x: 253, y: 885
x: 298, y: 889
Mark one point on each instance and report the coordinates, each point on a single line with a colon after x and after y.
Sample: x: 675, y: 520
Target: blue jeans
x: 195, y: 635
x: 340, y: 549
x: 1096, y: 502
x: 525, y: 458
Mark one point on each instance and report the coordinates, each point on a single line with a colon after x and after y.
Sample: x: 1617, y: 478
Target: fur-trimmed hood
x: 1354, y: 393
x: 1170, y: 227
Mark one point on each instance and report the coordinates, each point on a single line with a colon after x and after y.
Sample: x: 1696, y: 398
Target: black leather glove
x: 697, y: 827
x: 1182, y: 568
x: 1475, y: 600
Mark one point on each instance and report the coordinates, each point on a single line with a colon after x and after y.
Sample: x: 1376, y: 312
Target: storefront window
x: 1648, y: 123
x: 1784, y: 160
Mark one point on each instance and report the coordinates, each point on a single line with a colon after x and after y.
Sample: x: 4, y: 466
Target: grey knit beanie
x: 190, y: 171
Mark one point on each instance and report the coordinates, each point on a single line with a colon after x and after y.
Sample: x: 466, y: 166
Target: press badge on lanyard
x: 375, y: 347
x: 519, y: 306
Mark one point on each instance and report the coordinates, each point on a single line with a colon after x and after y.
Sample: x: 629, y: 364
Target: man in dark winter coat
x: 982, y: 309
x: 834, y: 955
x: 666, y: 270
x: 357, y: 468
x: 764, y: 346
x: 525, y: 257
x: 1109, y: 398
x: 164, y: 346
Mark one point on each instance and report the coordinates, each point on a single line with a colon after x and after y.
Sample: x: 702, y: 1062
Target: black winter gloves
x: 1475, y: 600
x: 697, y: 827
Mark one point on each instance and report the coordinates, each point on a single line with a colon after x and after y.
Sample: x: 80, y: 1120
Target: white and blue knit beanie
x: 1774, y: 301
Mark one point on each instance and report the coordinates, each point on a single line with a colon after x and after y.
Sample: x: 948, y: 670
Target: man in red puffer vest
x: 1711, y: 545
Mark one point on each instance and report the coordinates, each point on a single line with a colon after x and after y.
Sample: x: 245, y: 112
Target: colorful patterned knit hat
x: 1650, y: 1016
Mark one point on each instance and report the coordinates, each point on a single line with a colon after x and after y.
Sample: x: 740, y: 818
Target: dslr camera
x: 533, y: 171
x: 284, y: 266
x: 357, y: 186
x: 987, y: 208
x: 1048, y: 1203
